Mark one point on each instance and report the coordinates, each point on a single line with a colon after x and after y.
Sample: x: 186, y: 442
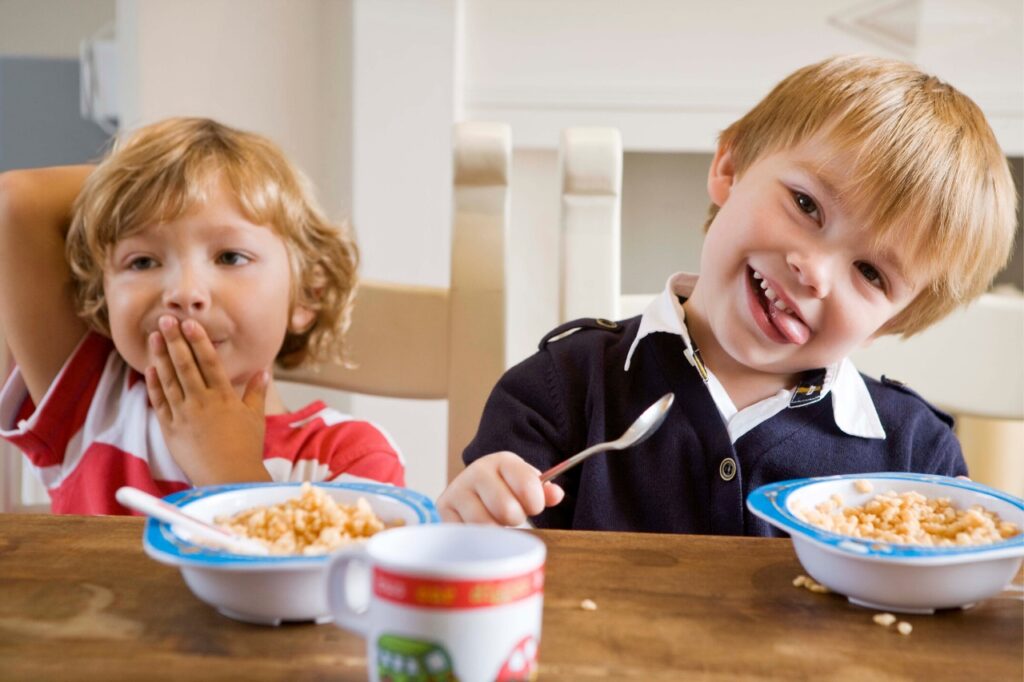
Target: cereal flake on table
x: 810, y: 584
x: 910, y: 518
x: 312, y: 523
x: 887, y: 619
x: 884, y: 619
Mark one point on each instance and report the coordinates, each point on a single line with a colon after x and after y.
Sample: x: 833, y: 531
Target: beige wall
x: 664, y: 204
x: 277, y: 68
x: 50, y: 28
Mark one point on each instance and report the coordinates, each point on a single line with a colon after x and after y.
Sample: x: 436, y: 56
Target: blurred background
x: 362, y: 95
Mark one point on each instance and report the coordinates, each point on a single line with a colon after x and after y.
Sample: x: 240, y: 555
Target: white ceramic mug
x: 443, y: 602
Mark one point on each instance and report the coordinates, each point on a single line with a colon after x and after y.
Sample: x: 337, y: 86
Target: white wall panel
x: 671, y: 73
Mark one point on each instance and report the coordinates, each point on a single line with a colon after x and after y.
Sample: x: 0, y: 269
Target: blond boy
x: 145, y: 333
x: 861, y: 197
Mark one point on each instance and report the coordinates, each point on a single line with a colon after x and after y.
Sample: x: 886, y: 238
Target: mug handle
x: 345, y: 616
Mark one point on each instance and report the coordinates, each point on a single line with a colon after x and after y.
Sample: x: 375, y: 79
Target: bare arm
x: 36, y: 309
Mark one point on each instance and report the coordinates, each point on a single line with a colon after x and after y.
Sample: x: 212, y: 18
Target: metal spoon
x: 646, y: 424
x: 205, y: 532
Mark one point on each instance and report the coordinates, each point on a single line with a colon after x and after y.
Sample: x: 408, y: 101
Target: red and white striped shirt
x: 95, y: 431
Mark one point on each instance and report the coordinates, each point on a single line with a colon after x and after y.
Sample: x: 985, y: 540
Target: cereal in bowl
x: 910, y: 518
x: 312, y: 523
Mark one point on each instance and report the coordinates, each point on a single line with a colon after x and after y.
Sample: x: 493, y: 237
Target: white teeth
x: 770, y: 293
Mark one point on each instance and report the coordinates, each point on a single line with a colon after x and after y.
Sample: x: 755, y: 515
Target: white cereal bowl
x: 267, y: 590
x: 893, y: 577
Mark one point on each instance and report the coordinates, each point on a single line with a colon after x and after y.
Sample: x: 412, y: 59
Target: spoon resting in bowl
x: 201, y: 531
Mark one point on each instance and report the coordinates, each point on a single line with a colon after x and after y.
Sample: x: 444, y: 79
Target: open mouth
x: 772, y: 314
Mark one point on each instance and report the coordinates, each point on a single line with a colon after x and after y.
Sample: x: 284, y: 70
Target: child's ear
x: 301, y: 319
x: 721, y: 176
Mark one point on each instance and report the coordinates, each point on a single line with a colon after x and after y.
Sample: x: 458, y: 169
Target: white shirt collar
x: 852, y: 407
x: 666, y: 314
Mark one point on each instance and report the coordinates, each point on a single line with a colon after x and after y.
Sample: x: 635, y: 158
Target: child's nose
x: 187, y: 293
x: 812, y: 271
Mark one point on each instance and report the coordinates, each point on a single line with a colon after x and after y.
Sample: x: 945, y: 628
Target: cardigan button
x: 727, y: 469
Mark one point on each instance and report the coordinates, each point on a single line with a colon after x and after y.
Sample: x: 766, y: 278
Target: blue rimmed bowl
x: 267, y: 589
x: 893, y: 577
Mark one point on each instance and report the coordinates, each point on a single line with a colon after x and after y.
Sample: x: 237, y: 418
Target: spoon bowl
x: 645, y: 425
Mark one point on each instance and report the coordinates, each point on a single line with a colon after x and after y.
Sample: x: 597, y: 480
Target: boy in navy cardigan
x: 860, y: 198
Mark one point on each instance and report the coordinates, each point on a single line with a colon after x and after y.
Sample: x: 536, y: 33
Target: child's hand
x: 500, y: 488
x: 213, y: 435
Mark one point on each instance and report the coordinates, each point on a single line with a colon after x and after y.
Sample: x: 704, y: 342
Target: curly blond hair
x: 929, y: 173
x: 162, y: 171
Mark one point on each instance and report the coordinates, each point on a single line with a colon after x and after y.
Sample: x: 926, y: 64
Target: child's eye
x: 232, y: 258
x: 805, y: 203
x: 141, y: 263
x: 871, y: 274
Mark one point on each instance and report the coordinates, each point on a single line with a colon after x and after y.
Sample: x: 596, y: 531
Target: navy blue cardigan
x: 688, y: 477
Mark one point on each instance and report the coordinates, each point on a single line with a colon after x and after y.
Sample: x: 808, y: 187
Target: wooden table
x: 80, y: 600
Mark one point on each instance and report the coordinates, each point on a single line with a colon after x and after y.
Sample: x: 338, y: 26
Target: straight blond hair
x: 928, y: 172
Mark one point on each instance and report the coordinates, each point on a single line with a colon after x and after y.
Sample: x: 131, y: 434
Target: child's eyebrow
x: 898, y: 266
x: 821, y: 177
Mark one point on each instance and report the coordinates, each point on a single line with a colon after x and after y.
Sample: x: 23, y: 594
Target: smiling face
x: 790, y: 279
x: 212, y: 265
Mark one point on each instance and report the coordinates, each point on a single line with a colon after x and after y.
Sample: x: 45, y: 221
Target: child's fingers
x: 156, y: 395
x: 165, y: 370
x: 208, y: 362
x: 471, y: 509
x: 184, y: 363
x: 553, y: 494
x: 449, y: 514
x: 500, y: 503
x: 523, y: 482
x: 499, y: 488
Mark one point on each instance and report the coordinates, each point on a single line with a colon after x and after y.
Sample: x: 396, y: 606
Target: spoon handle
x: 567, y: 464
x: 150, y: 505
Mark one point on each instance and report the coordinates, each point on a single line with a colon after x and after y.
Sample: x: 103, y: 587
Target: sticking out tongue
x: 788, y: 325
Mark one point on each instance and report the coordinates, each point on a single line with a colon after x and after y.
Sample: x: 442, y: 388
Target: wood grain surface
x: 80, y: 600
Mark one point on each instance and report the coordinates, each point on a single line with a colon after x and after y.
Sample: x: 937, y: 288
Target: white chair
x: 434, y: 342
x: 970, y: 364
x: 590, y: 218
x: 590, y: 168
